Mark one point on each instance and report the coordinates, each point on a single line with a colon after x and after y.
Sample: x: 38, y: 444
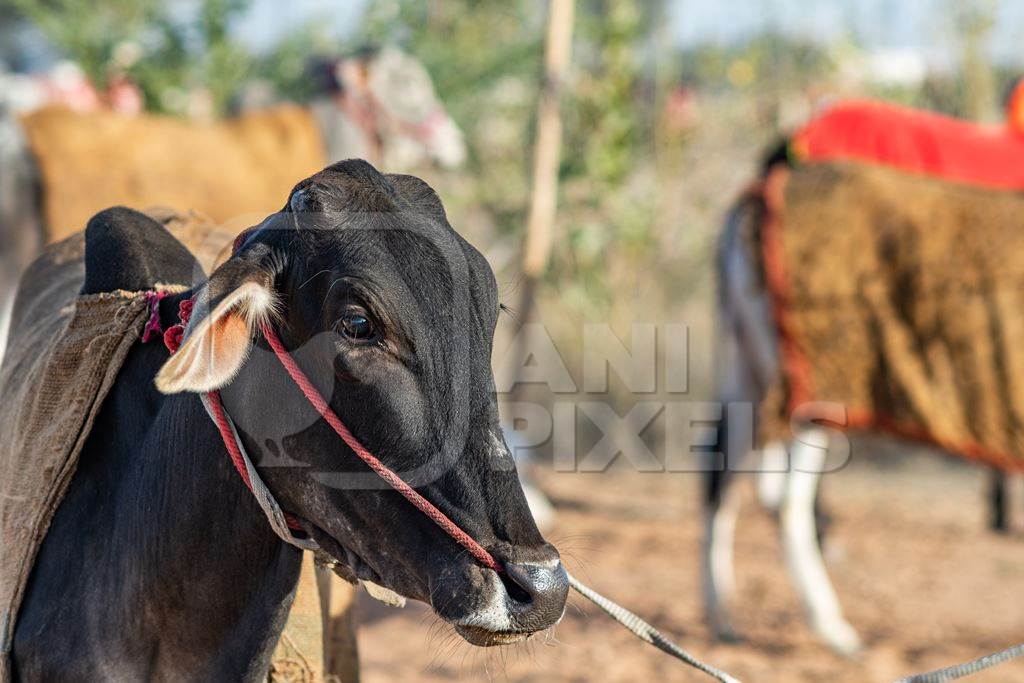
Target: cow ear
x: 227, y: 316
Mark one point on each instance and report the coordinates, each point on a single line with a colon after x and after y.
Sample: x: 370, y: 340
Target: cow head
x: 392, y: 314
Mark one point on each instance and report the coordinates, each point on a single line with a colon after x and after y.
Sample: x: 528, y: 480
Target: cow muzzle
x: 528, y: 597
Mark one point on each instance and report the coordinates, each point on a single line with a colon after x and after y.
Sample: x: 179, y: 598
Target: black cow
x: 159, y: 565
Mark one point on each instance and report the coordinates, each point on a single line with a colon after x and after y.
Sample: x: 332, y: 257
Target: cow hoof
x: 841, y: 637
x: 731, y: 636
x: 724, y: 632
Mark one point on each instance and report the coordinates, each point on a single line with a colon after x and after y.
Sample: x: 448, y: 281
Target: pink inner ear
x: 229, y: 343
x: 213, y: 352
x: 209, y: 359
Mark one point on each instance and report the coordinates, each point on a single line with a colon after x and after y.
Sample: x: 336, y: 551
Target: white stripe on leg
x: 800, y: 543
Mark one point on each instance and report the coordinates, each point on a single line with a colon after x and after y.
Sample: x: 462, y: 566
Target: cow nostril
x: 515, y: 591
x: 535, y: 584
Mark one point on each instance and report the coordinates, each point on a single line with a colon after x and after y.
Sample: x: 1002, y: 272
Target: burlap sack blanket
x: 902, y: 299
x: 233, y: 171
x: 64, y: 355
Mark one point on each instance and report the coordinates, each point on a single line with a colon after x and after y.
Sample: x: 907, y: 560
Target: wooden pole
x: 338, y: 605
x: 548, y: 150
x: 299, y: 655
x: 319, y: 640
x: 547, y: 156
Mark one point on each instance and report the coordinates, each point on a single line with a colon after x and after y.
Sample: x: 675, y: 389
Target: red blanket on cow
x: 916, y: 141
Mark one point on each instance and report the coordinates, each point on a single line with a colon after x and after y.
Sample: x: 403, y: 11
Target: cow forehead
x: 418, y: 263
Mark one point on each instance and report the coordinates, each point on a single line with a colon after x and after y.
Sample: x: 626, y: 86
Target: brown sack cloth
x: 233, y: 171
x: 64, y: 354
x: 902, y: 299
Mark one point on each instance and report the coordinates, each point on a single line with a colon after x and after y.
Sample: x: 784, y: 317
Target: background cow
x: 885, y: 337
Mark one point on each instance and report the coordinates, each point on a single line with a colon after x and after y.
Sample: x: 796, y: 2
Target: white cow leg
x: 800, y: 543
x: 719, y: 579
x: 771, y: 479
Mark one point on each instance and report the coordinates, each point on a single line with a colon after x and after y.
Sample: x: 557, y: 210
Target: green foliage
x: 88, y: 31
x: 609, y: 137
x: 486, y: 59
x: 286, y: 66
x: 164, y: 55
x: 466, y: 45
x: 223, y: 64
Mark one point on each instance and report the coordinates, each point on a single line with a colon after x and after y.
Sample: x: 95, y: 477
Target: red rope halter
x: 409, y: 493
x: 172, y: 340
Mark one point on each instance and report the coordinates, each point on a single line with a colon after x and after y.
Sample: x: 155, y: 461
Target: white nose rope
x: 951, y: 673
x: 647, y: 633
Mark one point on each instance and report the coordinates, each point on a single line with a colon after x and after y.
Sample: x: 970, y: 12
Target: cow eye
x: 356, y: 327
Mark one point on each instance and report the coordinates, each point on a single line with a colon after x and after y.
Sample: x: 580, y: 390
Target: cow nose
x: 537, y: 591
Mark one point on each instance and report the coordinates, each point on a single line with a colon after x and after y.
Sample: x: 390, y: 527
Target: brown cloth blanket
x: 234, y: 171
x: 901, y: 298
x: 64, y: 354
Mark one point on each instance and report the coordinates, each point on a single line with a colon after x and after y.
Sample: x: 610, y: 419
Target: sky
x: 923, y: 25
x: 267, y: 20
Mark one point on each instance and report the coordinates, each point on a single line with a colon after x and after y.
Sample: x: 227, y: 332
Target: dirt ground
x: 919, y: 576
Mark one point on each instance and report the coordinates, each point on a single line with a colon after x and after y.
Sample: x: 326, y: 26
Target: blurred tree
x: 488, y: 70
x: 88, y: 31
x: 287, y: 65
x: 609, y: 138
x: 166, y: 54
x: 974, y: 20
x: 769, y: 59
x: 222, y: 63
x: 466, y: 45
x: 485, y: 59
